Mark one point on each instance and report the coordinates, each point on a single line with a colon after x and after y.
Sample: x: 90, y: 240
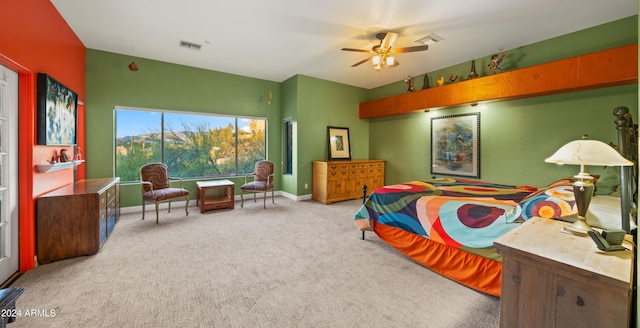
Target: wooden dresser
x: 555, y: 279
x: 76, y: 219
x: 342, y: 180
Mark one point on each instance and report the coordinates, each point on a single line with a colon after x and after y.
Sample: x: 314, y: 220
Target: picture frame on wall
x: 455, y: 145
x: 57, y: 107
x: 339, y: 143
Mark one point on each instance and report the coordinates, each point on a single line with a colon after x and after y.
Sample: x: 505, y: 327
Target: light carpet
x: 294, y: 264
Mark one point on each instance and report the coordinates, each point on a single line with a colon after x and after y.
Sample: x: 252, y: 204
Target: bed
x: 448, y: 224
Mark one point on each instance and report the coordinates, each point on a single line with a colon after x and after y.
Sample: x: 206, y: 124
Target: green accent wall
x: 515, y: 136
x: 315, y: 104
x: 160, y: 85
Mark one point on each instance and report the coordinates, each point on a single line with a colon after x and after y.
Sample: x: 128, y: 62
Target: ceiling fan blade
x: 361, y: 62
x: 356, y: 50
x: 409, y: 49
x: 388, y: 40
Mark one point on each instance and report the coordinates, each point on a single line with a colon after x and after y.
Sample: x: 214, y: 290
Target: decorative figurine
x: 496, y: 60
x: 409, y: 82
x: 133, y: 67
x: 440, y: 81
x: 473, y: 74
x: 453, y: 78
x: 425, y: 81
x: 78, y: 154
x: 63, y: 156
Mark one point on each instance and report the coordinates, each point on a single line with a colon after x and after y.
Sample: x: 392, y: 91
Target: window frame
x: 237, y: 126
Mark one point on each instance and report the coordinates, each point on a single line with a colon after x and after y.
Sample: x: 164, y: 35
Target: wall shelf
x: 45, y: 168
x: 607, y: 68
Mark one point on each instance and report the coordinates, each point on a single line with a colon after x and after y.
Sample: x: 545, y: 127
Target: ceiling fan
x: 382, y: 54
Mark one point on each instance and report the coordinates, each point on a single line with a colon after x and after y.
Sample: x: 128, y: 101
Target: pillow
x: 554, y: 202
x: 609, y: 181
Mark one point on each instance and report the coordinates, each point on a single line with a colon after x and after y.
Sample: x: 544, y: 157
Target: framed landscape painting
x: 57, y: 112
x: 455, y: 145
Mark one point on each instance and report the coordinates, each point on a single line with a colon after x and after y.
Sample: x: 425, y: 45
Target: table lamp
x: 583, y: 153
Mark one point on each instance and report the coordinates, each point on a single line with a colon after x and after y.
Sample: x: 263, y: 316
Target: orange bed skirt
x: 471, y: 270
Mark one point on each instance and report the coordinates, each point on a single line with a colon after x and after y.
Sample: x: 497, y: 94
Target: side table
x: 215, y: 202
x: 554, y: 279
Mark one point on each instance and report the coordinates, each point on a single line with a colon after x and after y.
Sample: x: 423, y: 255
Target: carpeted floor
x: 294, y: 264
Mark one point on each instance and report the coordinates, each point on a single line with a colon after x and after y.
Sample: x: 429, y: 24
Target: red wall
x: 37, y: 39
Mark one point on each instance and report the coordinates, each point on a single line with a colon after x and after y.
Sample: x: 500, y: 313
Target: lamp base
x: 579, y: 227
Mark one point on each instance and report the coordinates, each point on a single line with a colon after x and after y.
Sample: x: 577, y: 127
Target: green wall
x: 160, y: 85
x: 516, y: 136
x: 321, y: 104
x: 315, y: 104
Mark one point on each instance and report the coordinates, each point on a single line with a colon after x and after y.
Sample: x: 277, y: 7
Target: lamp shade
x: 588, y: 152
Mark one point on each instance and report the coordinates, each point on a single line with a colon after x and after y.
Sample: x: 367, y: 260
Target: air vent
x: 430, y: 39
x: 190, y: 45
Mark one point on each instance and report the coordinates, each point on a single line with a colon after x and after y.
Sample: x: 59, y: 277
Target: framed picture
x: 455, y: 145
x: 338, y: 143
x: 57, y: 112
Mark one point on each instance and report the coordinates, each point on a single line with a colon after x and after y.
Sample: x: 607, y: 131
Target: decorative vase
x: 425, y: 84
x: 473, y: 73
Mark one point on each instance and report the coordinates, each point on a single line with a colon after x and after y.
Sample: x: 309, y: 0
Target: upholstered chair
x: 156, y: 187
x: 262, y: 182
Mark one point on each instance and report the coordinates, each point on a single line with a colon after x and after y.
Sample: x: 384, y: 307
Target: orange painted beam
x: 613, y: 67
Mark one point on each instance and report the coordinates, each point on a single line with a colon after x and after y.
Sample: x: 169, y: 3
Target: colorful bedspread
x: 461, y: 218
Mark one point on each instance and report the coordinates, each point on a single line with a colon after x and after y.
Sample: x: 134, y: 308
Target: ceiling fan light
x: 375, y: 60
x: 377, y: 67
x: 390, y: 61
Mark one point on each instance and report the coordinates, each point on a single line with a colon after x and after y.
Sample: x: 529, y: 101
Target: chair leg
x: 156, y: 213
x: 143, y: 209
x: 186, y: 207
x: 272, y: 198
x: 241, y: 199
x: 169, y: 207
x: 264, y: 200
x: 254, y: 197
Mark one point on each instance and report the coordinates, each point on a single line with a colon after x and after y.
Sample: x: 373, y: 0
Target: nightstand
x: 555, y: 279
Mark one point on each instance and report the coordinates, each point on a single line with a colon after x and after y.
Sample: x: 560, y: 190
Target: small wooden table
x: 215, y: 202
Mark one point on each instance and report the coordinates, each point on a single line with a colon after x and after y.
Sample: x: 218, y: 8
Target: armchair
x: 262, y: 182
x: 156, y: 187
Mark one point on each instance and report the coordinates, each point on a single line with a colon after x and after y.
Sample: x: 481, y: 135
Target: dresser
x: 76, y: 219
x: 555, y: 279
x: 343, y: 180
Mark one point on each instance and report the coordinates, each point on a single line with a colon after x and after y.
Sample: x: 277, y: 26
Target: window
x: 288, y: 146
x: 191, y: 145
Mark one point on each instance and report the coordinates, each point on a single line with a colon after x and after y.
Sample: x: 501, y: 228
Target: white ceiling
x: 277, y: 39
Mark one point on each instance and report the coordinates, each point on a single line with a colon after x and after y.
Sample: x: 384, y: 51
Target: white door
x: 8, y: 173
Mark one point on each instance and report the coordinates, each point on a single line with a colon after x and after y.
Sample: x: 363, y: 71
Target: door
x: 8, y: 173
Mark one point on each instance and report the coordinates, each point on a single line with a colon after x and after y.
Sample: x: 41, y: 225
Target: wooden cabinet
x: 342, y: 180
x: 554, y: 279
x: 76, y: 219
